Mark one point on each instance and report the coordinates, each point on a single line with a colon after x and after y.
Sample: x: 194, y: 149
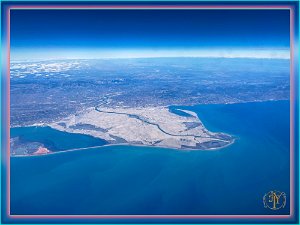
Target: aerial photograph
x: 149, y: 112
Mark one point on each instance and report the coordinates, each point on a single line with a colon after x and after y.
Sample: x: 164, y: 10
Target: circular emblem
x: 274, y: 200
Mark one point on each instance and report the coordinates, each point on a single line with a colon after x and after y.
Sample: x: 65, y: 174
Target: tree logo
x: 274, y: 200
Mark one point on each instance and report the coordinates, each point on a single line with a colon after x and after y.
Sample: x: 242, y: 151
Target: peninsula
x: 148, y: 126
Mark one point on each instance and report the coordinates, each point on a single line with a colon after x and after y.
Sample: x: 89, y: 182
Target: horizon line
x: 150, y: 57
x: 60, y: 54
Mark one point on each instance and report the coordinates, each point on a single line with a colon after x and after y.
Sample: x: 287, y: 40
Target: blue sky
x: 137, y: 33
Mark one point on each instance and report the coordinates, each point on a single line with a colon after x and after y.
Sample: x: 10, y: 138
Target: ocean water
x: 146, y: 180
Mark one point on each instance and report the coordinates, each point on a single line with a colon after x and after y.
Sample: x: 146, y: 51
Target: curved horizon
x: 56, y: 54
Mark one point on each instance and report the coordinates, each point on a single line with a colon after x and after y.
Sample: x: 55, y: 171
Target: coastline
x: 188, y: 105
x: 124, y: 144
x: 234, y: 138
x: 167, y: 170
x: 210, y: 140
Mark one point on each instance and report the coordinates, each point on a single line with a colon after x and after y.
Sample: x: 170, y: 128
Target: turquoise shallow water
x: 145, y: 180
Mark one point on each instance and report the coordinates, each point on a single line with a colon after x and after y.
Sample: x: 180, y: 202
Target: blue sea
x: 147, y: 180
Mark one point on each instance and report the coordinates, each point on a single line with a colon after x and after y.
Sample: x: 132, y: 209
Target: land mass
x: 132, y: 98
x: 149, y: 126
x: 48, y: 91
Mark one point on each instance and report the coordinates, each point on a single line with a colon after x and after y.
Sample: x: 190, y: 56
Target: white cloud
x: 18, y: 69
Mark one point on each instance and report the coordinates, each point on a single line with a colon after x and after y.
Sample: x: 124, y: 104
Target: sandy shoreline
x: 142, y: 127
x: 123, y: 144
